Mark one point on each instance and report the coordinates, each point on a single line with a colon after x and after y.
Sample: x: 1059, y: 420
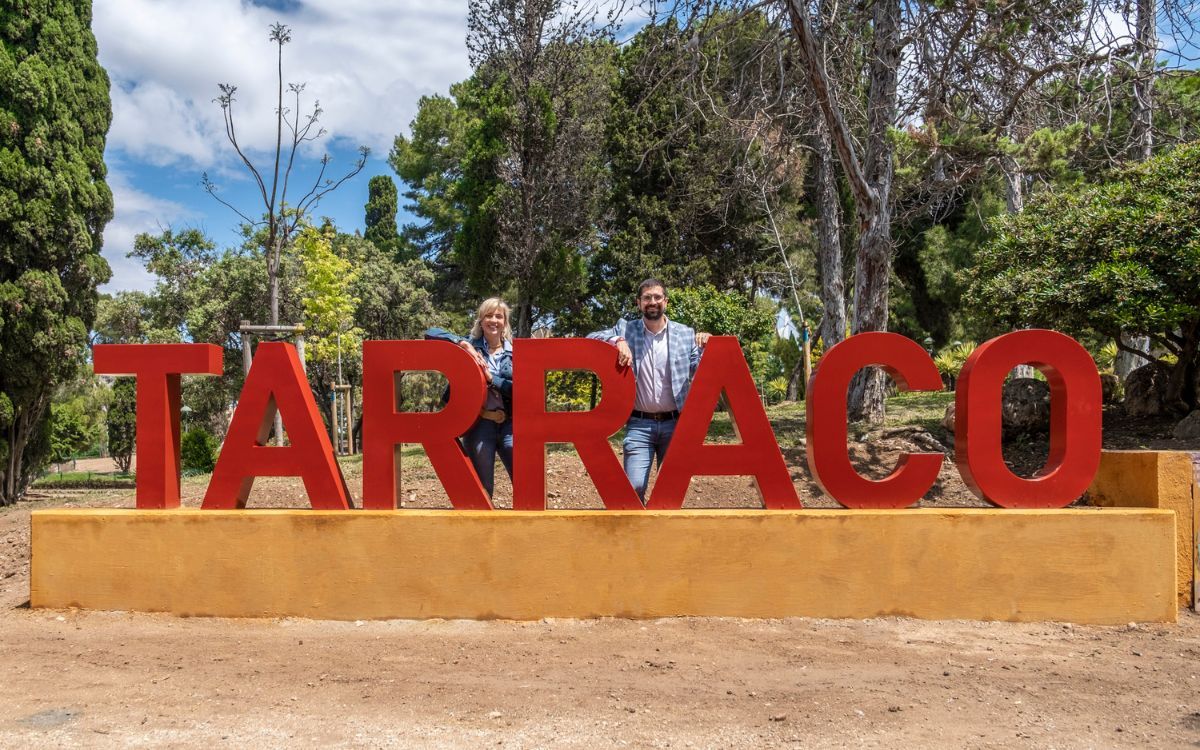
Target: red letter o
x: 1074, y: 420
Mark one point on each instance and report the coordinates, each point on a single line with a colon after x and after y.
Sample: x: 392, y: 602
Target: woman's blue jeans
x: 482, y: 442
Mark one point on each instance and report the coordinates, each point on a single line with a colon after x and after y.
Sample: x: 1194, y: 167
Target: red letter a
x: 723, y: 366
x: 276, y: 381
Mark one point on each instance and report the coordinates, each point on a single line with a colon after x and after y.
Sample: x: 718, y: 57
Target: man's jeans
x: 482, y: 442
x: 645, y: 441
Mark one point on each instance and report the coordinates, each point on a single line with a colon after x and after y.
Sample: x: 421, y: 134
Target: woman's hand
x: 475, y: 355
x: 479, y: 360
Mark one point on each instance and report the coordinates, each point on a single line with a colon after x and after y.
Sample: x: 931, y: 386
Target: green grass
x: 925, y: 408
x: 84, y: 480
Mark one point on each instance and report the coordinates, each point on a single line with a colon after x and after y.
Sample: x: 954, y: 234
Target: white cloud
x: 366, y: 62
x: 134, y: 212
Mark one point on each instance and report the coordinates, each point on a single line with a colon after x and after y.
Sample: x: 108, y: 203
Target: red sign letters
x: 276, y: 381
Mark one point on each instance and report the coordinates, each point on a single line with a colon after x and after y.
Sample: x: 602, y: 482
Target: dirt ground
x: 115, y: 679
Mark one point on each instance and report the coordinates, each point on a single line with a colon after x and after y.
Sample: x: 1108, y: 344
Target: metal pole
x: 244, y: 329
x: 804, y: 334
x: 333, y: 417
x: 349, y: 420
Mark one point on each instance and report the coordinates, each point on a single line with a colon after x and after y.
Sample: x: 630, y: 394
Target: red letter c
x: 828, y: 458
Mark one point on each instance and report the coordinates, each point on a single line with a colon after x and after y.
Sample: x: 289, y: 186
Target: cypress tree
x: 382, y: 202
x: 54, y: 203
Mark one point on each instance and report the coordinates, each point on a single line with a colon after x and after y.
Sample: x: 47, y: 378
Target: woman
x: 491, y: 346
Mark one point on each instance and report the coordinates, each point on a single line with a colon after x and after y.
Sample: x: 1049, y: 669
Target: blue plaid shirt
x: 682, y: 353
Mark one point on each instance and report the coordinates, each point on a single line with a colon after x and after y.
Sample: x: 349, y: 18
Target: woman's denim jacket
x: 501, y: 378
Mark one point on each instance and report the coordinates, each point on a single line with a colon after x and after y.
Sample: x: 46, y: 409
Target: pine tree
x: 54, y: 203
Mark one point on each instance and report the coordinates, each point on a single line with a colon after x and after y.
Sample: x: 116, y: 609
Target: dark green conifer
x: 54, y: 203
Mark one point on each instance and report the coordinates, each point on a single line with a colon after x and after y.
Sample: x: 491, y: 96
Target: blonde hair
x: 489, y: 305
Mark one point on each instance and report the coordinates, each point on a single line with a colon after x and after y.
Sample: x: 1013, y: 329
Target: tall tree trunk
x: 1182, y: 394
x: 829, y: 242
x: 522, y: 323
x: 276, y: 253
x: 870, y: 179
x: 873, y: 260
x: 18, y: 435
x: 1146, y: 28
x: 1127, y: 362
x: 1014, y: 201
x: 1014, y: 185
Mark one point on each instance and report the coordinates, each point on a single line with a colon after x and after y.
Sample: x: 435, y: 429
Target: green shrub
x: 570, y: 390
x: 198, y: 451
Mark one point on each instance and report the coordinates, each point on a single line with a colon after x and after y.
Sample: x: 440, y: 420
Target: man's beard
x: 652, y: 313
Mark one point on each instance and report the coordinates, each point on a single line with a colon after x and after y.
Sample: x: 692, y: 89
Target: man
x: 664, y: 355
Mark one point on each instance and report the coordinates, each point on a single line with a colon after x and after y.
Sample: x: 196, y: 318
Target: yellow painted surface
x: 1155, y: 479
x: 1084, y: 565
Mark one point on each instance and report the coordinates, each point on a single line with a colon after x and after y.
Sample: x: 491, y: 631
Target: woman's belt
x: 493, y: 415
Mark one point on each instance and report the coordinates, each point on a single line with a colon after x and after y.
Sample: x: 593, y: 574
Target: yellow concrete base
x: 1079, y: 565
x: 1156, y: 479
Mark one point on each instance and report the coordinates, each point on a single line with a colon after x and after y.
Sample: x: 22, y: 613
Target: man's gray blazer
x: 682, y: 352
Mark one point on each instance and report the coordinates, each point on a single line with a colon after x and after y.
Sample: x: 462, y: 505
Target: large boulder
x: 1188, y: 427
x: 1025, y: 406
x: 1146, y: 390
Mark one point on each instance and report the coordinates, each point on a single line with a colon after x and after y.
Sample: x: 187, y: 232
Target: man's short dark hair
x: 650, y: 284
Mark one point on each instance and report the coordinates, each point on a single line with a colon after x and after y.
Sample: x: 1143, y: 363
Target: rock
x: 948, y: 420
x: 1188, y: 427
x: 1110, y: 388
x: 1025, y: 406
x: 907, y: 438
x: 1146, y: 390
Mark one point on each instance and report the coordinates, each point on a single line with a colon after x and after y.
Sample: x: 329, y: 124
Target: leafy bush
x: 722, y: 313
x: 69, y: 432
x: 198, y: 451
x: 1123, y: 256
x: 731, y: 314
x: 570, y: 390
x: 421, y: 390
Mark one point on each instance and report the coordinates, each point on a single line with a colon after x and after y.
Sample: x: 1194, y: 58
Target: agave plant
x: 1106, y: 358
x: 776, y: 389
x: 952, y: 358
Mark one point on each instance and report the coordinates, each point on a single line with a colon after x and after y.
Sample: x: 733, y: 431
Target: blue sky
x: 367, y: 62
